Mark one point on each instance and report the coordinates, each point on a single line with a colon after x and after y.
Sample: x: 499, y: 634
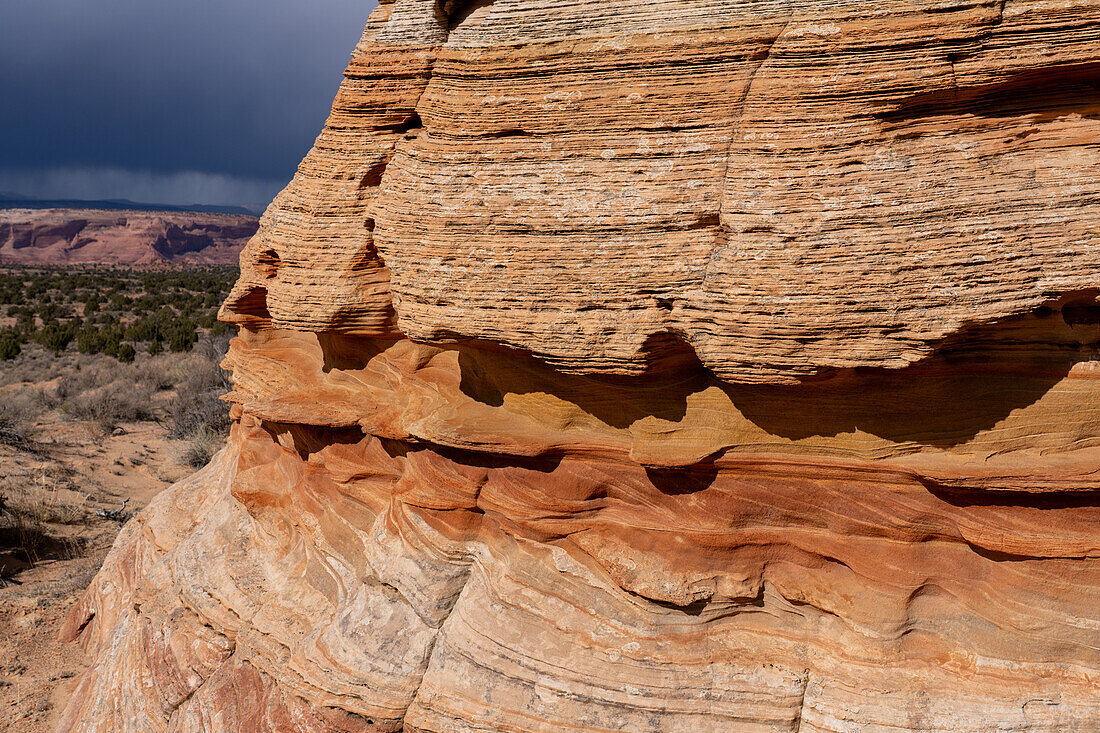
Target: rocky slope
x: 675, y: 366
x: 86, y: 236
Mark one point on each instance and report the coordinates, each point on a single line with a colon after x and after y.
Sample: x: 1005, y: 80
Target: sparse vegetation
x: 107, y: 399
x: 25, y: 515
x: 110, y: 387
x: 182, y: 390
x: 202, y: 443
x: 198, y: 414
x: 112, y: 311
x: 201, y: 382
x: 19, y: 413
x: 9, y: 345
x: 124, y: 346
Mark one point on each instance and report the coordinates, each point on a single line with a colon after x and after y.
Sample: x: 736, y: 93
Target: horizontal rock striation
x: 89, y: 236
x: 671, y: 366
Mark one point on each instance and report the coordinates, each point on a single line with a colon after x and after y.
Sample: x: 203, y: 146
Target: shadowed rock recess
x: 693, y: 365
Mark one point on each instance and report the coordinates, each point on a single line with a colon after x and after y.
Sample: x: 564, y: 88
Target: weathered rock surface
x: 667, y: 366
x: 86, y: 236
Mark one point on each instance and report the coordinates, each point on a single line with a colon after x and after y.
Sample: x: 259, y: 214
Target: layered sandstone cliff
x: 85, y: 236
x: 692, y: 365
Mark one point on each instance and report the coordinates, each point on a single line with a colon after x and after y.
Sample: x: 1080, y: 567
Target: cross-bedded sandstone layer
x: 678, y: 366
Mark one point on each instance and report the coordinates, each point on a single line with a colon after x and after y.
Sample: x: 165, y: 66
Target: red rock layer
x: 79, y: 236
x: 677, y: 366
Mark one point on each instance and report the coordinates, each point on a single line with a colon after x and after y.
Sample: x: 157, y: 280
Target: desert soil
x: 73, y: 472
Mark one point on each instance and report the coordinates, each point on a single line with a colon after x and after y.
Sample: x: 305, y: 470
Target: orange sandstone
x: 670, y: 366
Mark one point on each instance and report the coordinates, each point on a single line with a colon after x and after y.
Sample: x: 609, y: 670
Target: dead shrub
x: 19, y: 415
x: 33, y: 365
x: 201, y: 446
x: 117, y: 402
x: 197, y: 414
x: 198, y: 409
x: 156, y: 373
x: 25, y: 515
x: 106, y: 394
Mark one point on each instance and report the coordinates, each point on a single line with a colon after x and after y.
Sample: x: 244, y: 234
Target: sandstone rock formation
x: 86, y: 236
x: 695, y: 365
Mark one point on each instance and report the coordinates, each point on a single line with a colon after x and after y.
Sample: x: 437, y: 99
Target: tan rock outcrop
x: 93, y: 236
x: 668, y: 366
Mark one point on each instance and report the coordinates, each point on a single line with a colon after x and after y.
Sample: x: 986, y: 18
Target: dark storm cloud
x: 170, y: 90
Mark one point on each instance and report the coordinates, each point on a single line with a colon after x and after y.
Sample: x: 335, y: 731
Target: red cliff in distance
x: 92, y: 236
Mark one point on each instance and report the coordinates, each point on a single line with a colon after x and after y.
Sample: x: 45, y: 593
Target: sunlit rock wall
x: 670, y: 366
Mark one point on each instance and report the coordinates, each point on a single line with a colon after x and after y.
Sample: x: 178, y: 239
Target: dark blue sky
x: 170, y: 101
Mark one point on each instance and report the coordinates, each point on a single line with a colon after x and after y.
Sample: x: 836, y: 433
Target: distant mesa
x: 120, y: 232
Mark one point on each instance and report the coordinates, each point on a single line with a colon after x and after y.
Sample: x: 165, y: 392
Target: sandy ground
x: 74, y: 471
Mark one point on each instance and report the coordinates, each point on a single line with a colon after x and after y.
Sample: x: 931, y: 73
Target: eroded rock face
x: 670, y: 366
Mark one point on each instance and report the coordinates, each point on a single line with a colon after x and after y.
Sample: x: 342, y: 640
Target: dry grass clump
x: 106, y: 394
x: 202, y: 444
x: 26, y: 511
x: 156, y: 372
x: 43, y: 505
x: 198, y: 415
x: 20, y: 412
